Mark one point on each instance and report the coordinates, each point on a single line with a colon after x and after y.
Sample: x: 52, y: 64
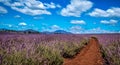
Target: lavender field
x: 36, y: 49
x: 50, y: 49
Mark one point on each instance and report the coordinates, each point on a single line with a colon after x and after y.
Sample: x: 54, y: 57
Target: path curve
x: 90, y: 55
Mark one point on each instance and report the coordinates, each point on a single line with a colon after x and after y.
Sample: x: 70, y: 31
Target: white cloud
x: 112, y: 12
x: 98, y: 30
x: 58, y: 6
x: 40, y: 5
x: 52, y: 28
x: 30, y: 7
x: 34, y: 4
x: 3, y: 10
x: 109, y: 22
x: 76, y: 29
x: 9, y: 25
x: 77, y: 22
x: 76, y: 8
x: 55, y: 27
x: 29, y: 11
x: 17, y: 16
x: 80, y: 30
x: 37, y: 17
x: 52, y: 5
x: 22, y: 24
x: 16, y: 4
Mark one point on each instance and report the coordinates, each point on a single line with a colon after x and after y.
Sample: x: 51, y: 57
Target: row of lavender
x: 110, y: 47
x: 38, y: 49
x: 111, y: 50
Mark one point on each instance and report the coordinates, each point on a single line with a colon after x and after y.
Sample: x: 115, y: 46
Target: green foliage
x: 104, y: 55
x: 19, y: 51
x: 18, y: 58
x: 112, y: 53
x: 50, y: 56
x: 71, y: 49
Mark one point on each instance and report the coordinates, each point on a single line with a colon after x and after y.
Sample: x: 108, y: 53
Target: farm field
x: 56, y: 49
x: 90, y: 55
x: 59, y: 32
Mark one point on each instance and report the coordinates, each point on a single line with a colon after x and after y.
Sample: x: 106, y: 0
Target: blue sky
x: 76, y: 16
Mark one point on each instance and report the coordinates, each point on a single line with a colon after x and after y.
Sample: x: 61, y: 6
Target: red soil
x: 90, y: 55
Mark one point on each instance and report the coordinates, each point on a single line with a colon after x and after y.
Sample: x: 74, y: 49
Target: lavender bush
x: 111, y: 53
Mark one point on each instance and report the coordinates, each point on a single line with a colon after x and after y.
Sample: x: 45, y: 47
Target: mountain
x: 46, y: 32
x: 6, y: 30
x: 29, y: 31
x: 61, y: 32
x: 56, y: 32
x: 3, y: 30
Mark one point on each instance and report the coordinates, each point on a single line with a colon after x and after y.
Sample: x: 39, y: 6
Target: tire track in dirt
x: 90, y: 55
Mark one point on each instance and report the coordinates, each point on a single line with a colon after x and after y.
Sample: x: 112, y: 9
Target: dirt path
x: 90, y: 55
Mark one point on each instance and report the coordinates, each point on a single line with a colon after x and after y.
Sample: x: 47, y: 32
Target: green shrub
x: 41, y: 54
x: 71, y: 49
x: 111, y: 53
x: 104, y: 55
x: 18, y: 58
x: 50, y: 56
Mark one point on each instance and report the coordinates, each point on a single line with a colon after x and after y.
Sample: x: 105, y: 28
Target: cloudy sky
x: 76, y: 16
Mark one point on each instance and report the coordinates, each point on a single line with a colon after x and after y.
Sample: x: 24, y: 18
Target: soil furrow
x: 90, y: 55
